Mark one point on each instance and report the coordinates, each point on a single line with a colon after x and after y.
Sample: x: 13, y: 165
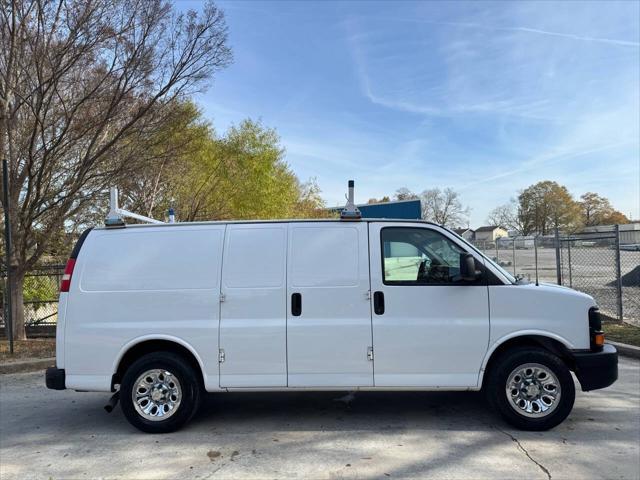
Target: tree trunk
x: 17, y: 305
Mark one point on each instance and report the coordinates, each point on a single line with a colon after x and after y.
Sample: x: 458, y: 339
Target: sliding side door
x: 253, y: 335
x: 329, y: 311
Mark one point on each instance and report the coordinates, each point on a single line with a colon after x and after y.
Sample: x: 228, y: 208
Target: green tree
x: 615, y: 218
x: 239, y: 175
x: 263, y: 185
x: 310, y: 203
x: 546, y: 206
x: 597, y: 210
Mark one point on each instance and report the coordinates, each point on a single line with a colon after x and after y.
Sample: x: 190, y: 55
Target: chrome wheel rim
x: 533, y: 390
x: 157, y: 395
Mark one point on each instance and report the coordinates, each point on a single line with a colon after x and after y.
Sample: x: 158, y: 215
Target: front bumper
x: 596, y: 369
x: 55, y: 378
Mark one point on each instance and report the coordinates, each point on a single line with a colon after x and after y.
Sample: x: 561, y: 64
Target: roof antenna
x: 114, y: 217
x: 350, y: 211
x: 172, y: 212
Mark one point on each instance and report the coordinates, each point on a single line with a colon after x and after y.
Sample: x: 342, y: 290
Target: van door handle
x: 296, y: 304
x: 378, y: 303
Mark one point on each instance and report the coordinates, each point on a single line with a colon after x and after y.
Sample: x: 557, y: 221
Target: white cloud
x: 537, y: 31
x: 546, y: 102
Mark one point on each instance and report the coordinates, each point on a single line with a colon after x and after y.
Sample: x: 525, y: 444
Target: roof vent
x: 350, y: 211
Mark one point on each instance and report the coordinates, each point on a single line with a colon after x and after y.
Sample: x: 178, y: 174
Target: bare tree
x: 443, y: 207
x: 82, y: 82
x: 177, y: 140
x: 404, y: 193
x: 507, y: 216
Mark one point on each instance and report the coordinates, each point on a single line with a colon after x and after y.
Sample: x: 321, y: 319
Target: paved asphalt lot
x: 48, y: 434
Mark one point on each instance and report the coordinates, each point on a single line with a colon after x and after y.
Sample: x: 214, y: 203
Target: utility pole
x: 558, y: 259
x: 8, y: 319
x: 618, y: 272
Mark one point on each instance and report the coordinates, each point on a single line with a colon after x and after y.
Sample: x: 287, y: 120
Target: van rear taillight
x: 65, y: 283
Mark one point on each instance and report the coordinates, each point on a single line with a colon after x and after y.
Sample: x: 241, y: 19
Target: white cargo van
x: 161, y: 314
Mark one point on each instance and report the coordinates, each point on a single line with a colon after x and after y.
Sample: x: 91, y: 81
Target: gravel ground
x: 50, y: 434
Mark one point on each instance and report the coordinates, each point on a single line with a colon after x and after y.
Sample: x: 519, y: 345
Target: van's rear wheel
x: 531, y: 388
x: 159, y: 393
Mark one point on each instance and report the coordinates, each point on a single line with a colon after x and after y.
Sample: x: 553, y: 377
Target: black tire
x: 495, y: 388
x: 190, y: 387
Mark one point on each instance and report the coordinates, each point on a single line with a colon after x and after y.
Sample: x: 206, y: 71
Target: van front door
x: 329, y: 312
x: 430, y: 328
x: 253, y: 335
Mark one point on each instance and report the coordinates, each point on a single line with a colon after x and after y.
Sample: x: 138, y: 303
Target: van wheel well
x: 549, y: 344
x: 152, y: 346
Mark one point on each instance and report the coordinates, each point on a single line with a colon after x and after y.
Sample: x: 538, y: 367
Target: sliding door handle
x: 378, y: 303
x: 296, y: 304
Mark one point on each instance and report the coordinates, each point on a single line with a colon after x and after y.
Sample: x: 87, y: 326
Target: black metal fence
x: 603, y: 264
x: 40, y: 292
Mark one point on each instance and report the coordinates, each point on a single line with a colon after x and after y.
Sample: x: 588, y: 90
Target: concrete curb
x: 626, y: 350
x: 27, y: 365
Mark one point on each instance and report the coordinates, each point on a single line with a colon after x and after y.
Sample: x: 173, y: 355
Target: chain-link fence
x: 40, y: 292
x: 532, y: 258
x: 604, y: 264
x: 589, y: 263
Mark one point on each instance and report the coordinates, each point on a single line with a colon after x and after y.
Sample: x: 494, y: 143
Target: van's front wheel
x: 159, y: 393
x: 531, y: 388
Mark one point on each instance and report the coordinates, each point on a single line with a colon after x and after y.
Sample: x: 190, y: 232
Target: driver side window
x: 419, y: 256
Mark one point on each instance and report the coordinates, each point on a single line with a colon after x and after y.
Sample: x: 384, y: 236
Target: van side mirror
x: 468, y: 272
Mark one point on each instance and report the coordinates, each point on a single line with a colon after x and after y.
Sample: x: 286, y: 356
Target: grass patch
x: 32, y: 348
x: 622, y: 332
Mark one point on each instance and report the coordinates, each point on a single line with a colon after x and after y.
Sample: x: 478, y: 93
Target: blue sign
x: 401, y: 209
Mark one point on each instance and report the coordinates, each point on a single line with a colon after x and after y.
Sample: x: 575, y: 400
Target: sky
x: 484, y: 97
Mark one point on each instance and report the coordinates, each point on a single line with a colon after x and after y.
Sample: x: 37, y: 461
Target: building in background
x: 467, y: 233
x: 490, y: 233
x: 629, y: 232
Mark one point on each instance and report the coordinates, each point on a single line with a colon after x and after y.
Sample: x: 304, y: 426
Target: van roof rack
x: 350, y: 211
x: 114, y: 217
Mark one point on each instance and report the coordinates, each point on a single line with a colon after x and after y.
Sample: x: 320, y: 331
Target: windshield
x: 510, y: 277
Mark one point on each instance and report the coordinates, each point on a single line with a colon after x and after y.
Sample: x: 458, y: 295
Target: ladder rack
x: 114, y: 217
